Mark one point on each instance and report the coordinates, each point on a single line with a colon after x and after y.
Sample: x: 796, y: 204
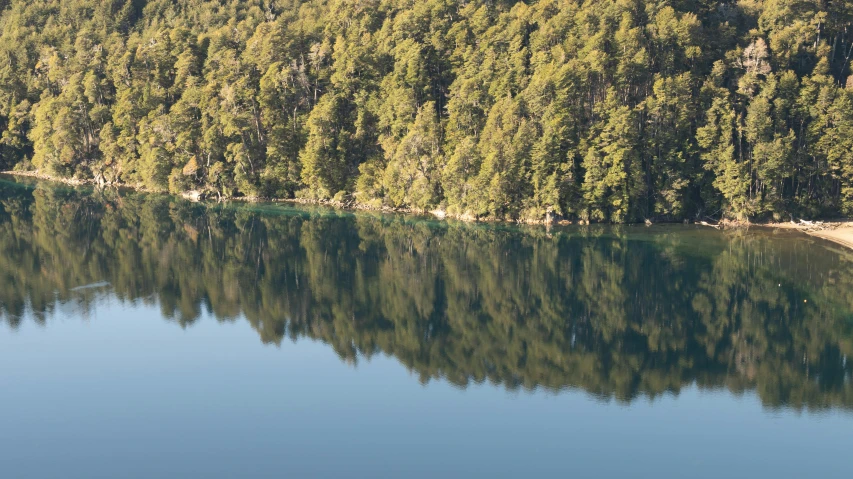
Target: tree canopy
x: 602, y: 110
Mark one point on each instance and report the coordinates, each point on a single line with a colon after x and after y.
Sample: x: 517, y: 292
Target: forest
x: 619, y: 314
x: 592, y: 110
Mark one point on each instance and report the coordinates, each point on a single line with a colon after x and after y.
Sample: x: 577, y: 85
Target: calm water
x: 145, y: 336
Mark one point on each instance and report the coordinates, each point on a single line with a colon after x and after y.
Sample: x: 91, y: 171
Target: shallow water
x: 146, y: 336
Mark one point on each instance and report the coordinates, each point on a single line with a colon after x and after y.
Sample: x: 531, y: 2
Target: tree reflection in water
x: 620, y: 312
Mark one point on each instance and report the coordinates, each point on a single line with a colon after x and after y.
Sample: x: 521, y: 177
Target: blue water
x: 125, y: 394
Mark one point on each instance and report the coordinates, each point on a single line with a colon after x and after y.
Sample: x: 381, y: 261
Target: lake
x: 146, y: 336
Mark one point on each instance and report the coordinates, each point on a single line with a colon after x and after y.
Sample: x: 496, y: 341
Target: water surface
x: 147, y: 336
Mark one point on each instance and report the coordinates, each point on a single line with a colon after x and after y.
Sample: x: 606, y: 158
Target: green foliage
x: 326, y: 165
x: 614, y: 180
x: 615, y: 110
x: 717, y: 139
x: 411, y: 177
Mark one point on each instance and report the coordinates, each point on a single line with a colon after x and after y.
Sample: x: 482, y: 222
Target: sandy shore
x: 840, y: 232
x: 843, y: 236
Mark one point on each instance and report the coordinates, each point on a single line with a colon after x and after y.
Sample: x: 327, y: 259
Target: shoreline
x: 199, y: 196
x: 839, y: 231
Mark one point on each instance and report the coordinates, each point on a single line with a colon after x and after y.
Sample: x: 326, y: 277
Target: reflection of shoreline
x: 622, y: 312
x: 197, y: 196
x: 843, y: 235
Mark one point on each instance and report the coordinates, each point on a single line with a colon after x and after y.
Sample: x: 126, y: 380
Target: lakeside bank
x: 838, y: 231
x: 344, y: 205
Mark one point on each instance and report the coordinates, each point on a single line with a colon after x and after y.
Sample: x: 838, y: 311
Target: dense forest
x: 599, y: 110
x: 617, y: 314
